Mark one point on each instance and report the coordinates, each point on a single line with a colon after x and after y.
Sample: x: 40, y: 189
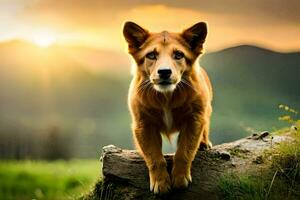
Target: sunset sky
x: 269, y: 23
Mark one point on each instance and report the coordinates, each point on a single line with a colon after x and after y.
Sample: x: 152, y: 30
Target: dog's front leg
x: 188, y: 143
x: 149, y: 142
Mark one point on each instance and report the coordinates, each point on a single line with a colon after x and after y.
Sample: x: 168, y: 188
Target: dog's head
x: 165, y: 59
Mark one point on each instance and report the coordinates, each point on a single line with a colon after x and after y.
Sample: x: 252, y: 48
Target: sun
x: 44, y: 39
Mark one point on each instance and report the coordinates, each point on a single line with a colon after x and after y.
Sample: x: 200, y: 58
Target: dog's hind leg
x: 205, y: 143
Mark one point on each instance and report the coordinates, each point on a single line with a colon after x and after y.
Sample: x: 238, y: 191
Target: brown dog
x: 169, y: 93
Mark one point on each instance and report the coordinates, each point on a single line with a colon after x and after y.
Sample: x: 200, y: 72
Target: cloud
x: 272, y: 22
x: 95, y: 11
x: 259, y: 10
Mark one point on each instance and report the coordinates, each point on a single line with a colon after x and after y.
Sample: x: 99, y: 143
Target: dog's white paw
x: 160, y: 184
x: 181, y: 181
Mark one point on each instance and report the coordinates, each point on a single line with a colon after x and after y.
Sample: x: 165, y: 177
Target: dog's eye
x: 178, y: 55
x: 151, y: 55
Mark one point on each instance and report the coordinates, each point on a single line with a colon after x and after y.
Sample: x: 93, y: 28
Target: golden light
x: 44, y: 39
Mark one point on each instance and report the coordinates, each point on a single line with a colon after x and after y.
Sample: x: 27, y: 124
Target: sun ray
x: 44, y: 39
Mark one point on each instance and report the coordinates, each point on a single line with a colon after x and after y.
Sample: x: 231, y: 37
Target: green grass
x: 47, y: 180
x: 241, y: 187
x: 280, y: 181
x: 238, y: 152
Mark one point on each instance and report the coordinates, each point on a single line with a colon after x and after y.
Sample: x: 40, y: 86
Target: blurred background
x: 65, y: 72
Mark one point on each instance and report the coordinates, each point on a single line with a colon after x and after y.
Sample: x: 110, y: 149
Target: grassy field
x: 47, y: 180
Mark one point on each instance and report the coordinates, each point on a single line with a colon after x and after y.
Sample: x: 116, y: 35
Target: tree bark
x: 126, y: 175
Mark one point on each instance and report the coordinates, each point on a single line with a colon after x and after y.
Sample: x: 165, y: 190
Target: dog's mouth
x: 164, y: 85
x: 164, y: 82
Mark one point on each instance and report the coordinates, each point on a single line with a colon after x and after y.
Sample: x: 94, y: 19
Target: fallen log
x: 125, y: 175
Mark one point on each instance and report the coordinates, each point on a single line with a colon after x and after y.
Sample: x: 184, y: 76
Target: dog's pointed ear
x: 195, y: 36
x: 134, y: 35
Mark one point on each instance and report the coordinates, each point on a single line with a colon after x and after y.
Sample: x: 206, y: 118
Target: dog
x: 169, y: 93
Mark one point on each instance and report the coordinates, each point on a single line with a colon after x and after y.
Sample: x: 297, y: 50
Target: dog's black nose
x: 164, y: 73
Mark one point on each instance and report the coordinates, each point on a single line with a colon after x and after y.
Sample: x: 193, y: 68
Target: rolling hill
x: 249, y: 83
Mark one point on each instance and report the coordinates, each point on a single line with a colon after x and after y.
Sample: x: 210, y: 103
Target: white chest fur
x: 168, y: 118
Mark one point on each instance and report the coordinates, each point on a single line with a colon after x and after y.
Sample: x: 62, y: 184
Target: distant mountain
x: 249, y: 84
x: 83, y: 92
